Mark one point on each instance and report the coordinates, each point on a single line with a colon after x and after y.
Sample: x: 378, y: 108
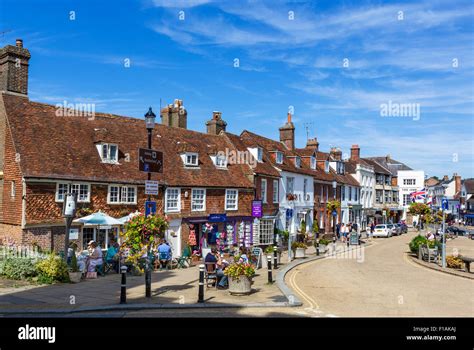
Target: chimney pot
x: 355, y: 153
x: 289, y: 117
x: 19, y: 43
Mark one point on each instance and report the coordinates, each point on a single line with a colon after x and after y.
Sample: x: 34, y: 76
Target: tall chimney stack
x: 216, y: 124
x: 14, y: 68
x: 355, y: 153
x: 175, y: 115
x: 457, y: 183
x: 313, y: 144
x: 336, y: 153
x: 287, y: 133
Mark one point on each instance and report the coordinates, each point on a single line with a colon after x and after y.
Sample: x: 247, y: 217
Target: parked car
x: 382, y: 231
x: 403, y: 227
x: 396, y: 231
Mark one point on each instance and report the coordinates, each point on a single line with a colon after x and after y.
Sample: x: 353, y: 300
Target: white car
x: 382, y: 231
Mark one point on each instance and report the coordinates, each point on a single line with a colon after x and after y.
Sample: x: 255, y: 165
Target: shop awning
x: 469, y: 216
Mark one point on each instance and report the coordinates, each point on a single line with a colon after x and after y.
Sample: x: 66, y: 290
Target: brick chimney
x: 14, y: 68
x: 355, y: 153
x: 445, y: 178
x: 457, y: 183
x: 313, y: 144
x: 175, y: 115
x: 336, y: 153
x: 287, y: 133
x: 216, y: 124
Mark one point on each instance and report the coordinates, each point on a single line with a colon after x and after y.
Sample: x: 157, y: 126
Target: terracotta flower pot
x: 241, y: 285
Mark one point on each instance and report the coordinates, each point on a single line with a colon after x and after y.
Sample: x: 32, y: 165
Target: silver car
x: 396, y: 231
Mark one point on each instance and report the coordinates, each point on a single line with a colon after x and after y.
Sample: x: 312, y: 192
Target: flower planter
x: 75, y: 277
x: 322, y: 248
x: 241, y: 285
x: 300, y: 253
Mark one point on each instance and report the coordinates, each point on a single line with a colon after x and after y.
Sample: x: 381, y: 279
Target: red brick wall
x: 11, y: 206
x: 10, y: 234
x: 269, y: 208
x: 41, y: 207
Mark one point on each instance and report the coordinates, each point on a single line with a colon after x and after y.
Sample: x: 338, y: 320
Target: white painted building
x: 409, y: 181
x: 301, y: 187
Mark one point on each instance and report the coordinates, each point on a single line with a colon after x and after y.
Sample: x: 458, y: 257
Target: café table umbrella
x: 98, y: 219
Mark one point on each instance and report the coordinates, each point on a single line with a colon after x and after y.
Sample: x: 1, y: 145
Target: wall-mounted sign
x: 217, y: 218
x: 74, y: 233
x: 69, y: 210
x: 257, y: 209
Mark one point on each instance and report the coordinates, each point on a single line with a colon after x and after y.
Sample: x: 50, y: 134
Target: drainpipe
x: 23, y: 203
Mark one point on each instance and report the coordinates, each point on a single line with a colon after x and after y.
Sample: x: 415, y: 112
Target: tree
x: 422, y: 210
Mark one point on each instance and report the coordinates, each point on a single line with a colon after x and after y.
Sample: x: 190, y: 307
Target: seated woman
x: 112, y: 254
x: 95, y: 256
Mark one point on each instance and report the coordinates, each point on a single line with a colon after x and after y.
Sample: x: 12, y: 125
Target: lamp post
x: 69, y: 213
x: 334, y: 187
x: 150, y: 125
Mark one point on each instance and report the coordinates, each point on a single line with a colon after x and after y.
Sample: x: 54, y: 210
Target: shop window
x: 266, y: 232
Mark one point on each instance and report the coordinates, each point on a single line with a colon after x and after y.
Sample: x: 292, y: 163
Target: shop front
x: 218, y: 230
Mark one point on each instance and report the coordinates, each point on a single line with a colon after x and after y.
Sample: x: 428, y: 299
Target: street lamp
x: 150, y: 125
x: 334, y: 187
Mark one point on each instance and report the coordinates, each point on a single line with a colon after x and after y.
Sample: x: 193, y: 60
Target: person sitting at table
x: 214, y: 257
x: 164, y: 254
x: 95, y: 256
x: 112, y: 254
x: 243, y: 255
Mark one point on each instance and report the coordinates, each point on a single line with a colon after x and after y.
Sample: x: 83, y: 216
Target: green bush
x: 420, y: 240
x: 18, y: 268
x: 324, y: 241
x: 51, y: 269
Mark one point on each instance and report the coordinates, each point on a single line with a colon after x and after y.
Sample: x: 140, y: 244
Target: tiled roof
x: 469, y: 184
x: 377, y: 167
x: 58, y: 147
x: 432, y: 181
x: 392, y: 165
x: 265, y: 167
x: 269, y: 145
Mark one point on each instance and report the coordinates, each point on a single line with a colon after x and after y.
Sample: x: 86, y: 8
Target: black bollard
x: 269, y: 267
x: 123, y: 287
x: 201, y: 284
x: 275, y: 258
x: 317, y: 247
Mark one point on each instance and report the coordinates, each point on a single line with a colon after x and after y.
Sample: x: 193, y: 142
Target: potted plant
x: 299, y: 248
x: 269, y: 251
x: 291, y: 197
x: 240, y: 278
x: 74, y: 273
x: 323, y: 243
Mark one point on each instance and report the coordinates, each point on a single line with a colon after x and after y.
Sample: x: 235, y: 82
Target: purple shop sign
x: 257, y: 211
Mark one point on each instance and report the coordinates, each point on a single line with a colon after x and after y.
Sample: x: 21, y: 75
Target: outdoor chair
x: 210, y: 274
x: 185, y: 259
x: 430, y: 255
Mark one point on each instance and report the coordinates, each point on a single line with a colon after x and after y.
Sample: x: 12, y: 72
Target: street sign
x: 150, y: 208
x: 151, y: 187
x: 150, y: 160
x: 217, y: 218
x: 444, y: 204
x: 289, y: 213
x: 74, y: 233
x: 334, y: 213
x: 353, y: 238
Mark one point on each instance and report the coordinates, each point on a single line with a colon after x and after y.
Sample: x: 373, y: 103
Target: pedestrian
x: 338, y: 230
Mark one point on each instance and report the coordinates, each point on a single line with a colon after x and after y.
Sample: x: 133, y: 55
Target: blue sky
x: 290, y: 54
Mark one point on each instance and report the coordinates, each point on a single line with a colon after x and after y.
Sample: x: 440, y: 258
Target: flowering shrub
x: 238, y: 269
x: 333, y: 205
x: 454, y: 262
x: 51, y: 269
x: 295, y: 245
x: 142, y: 235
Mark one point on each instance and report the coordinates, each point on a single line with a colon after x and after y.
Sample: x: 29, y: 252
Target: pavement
x: 383, y: 283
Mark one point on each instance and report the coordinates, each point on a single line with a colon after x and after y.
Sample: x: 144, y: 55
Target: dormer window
x: 108, y: 152
x: 260, y: 154
x: 340, y: 168
x: 326, y: 166
x: 298, y: 162
x: 220, y: 161
x: 279, y: 158
x: 313, y: 162
x: 191, y: 159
